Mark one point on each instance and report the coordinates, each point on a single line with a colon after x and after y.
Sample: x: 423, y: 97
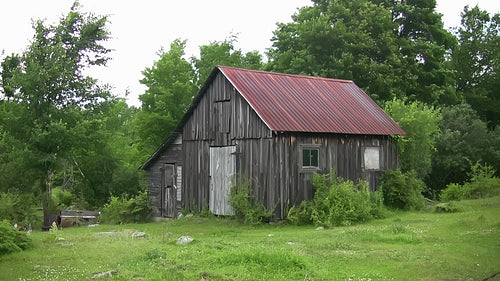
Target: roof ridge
x: 221, y: 67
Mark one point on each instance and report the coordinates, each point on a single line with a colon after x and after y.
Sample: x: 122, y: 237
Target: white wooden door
x: 222, y: 170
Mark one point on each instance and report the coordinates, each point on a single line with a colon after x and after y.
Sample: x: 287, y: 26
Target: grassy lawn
x: 404, y: 246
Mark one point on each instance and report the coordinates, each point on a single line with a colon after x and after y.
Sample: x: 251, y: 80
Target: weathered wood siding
x: 170, y: 156
x: 272, y: 161
x: 221, y: 118
x: 343, y: 153
x: 275, y: 168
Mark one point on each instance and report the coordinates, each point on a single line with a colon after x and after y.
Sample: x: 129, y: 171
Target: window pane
x: 306, y: 158
x: 310, y: 157
x: 314, y: 158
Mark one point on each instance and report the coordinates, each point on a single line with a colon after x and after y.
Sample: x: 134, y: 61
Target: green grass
x: 404, y: 246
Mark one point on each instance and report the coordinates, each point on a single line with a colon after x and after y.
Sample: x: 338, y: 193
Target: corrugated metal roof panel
x: 297, y: 103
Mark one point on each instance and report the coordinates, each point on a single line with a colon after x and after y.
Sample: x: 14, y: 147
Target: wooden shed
x: 276, y: 130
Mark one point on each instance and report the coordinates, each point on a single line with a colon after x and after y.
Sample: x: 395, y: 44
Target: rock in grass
x: 105, y: 274
x: 138, y: 234
x: 320, y: 228
x: 185, y: 240
x: 442, y: 207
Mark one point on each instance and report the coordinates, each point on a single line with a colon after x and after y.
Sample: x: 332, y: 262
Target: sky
x: 139, y: 29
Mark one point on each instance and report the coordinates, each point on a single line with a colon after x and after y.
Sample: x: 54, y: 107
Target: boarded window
x: 310, y: 157
x: 371, y: 158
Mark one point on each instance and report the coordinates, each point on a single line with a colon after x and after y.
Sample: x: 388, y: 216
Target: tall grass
x: 403, y: 246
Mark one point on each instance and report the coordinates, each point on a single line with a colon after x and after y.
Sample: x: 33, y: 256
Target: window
x: 310, y: 157
x: 371, y: 158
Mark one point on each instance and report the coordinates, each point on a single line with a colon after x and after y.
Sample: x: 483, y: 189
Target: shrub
x: 339, y: 202
x: 482, y: 183
x: 123, y: 210
x: 17, y: 208
x: 336, y: 202
x: 300, y: 215
x: 243, y: 202
x: 402, y: 190
x: 455, y: 192
x: 12, y: 240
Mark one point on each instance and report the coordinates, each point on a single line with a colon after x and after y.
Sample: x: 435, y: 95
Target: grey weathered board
x: 169, y: 192
x: 222, y: 170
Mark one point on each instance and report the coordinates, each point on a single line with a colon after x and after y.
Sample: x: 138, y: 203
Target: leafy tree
x: 46, y: 91
x: 476, y: 61
x: 463, y: 140
x: 420, y: 122
x: 424, y: 47
x: 374, y: 43
x: 107, y: 164
x: 223, y: 53
x: 492, y: 151
x: 171, y: 87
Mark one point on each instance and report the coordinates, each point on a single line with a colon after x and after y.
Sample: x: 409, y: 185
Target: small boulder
x: 105, y: 274
x: 185, y: 240
x: 138, y: 234
x: 320, y: 228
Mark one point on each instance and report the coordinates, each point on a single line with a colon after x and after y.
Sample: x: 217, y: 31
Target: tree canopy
x: 391, y: 49
x: 55, y: 130
x: 477, y: 61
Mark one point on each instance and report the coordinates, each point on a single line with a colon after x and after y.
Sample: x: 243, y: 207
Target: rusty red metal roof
x: 297, y: 103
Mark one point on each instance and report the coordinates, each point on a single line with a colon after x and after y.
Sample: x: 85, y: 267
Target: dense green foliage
x: 46, y: 94
x: 463, y: 139
x: 171, y: 87
x: 245, y: 207
x: 482, y: 183
x: 11, y: 239
x: 476, y: 62
x: 420, y: 122
x: 336, y: 202
x: 122, y: 210
x: 17, y: 208
x: 402, y: 190
x: 60, y: 128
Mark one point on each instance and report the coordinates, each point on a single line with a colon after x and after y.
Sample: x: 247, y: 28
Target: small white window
x: 371, y: 156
